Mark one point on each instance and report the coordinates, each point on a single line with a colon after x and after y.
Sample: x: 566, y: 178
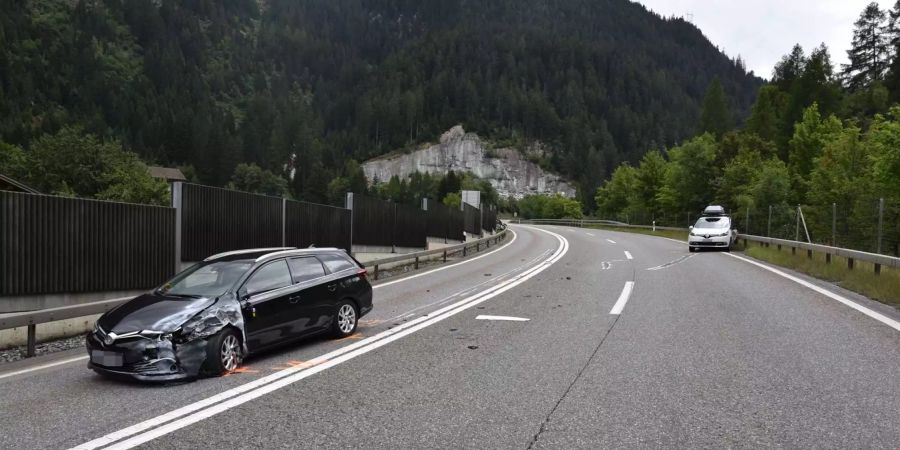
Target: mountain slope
x: 215, y: 83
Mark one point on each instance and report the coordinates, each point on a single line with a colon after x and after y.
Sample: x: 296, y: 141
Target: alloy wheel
x: 346, y: 319
x: 230, y: 352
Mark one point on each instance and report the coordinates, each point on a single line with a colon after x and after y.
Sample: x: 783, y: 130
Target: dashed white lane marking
x: 628, y: 254
x: 43, y: 366
x: 875, y: 315
x: 611, y: 241
x: 623, y: 298
x: 195, y: 412
x: 589, y: 234
x: 513, y: 319
x: 672, y: 263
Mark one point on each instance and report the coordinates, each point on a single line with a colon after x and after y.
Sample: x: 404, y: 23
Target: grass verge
x: 884, y: 287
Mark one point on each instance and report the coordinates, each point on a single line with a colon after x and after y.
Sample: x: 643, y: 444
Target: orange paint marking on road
x: 290, y: 364
x: 371, y: 322
x: 352, y: 336
x: 240, y: 370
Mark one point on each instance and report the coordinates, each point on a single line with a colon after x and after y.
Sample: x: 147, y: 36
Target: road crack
x: 577, y: 377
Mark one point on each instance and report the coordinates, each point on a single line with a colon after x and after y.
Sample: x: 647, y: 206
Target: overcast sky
x: 762, y: 31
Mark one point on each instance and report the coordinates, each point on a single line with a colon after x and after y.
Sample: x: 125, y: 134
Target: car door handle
x: 294, y: 299
x: 332, y: 287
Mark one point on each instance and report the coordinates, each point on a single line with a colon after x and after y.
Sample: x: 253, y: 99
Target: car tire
x: 691, y: 249
x: 346, y: 319
x: 223, y: 353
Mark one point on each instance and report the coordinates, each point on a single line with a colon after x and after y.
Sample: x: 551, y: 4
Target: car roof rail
x: 297, y: 252
x: 248, y: 250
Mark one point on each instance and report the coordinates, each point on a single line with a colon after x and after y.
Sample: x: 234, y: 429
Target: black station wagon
x: 206, y: 319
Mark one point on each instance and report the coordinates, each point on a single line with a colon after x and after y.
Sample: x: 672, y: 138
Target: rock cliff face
x: 506, y: 168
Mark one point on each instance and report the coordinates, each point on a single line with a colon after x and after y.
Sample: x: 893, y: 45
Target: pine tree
x: 869, y: 51
x: 716, y: 115
x: 765, y: 115
x: 892, y: 79
x: 789, y: 68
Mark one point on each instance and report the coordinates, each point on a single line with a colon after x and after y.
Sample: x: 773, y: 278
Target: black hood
x: 153, y: 312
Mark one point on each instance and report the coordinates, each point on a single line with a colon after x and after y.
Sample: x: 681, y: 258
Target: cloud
x: 762, y: 31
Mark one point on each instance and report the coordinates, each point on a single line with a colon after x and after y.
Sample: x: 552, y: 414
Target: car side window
x: 305, y: 269
x: 336, y: 263
x: 269, y: 277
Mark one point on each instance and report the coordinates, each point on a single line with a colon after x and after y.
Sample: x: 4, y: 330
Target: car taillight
x: 362, y: 273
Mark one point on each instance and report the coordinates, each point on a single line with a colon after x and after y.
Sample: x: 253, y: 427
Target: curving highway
x: 630, y: 341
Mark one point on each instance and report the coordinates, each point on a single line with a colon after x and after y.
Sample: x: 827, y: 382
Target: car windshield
x: 206, y: 280
x: 712, y: 222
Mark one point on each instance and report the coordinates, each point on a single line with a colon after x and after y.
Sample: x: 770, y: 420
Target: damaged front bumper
x: 146, y: 358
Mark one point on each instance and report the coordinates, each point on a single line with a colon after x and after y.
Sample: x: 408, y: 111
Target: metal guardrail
x: 851, y: 255
x: 417, y: 256
x: 582, y: 222
x: 31, y: 319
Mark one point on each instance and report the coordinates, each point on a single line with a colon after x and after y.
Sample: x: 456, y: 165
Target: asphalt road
x: 707, y: 351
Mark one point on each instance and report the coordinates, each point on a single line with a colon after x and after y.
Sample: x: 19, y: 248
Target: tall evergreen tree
x: 715, y: 117
x: 868, y: 53
x: 765, y: 115
x: 892, y: 78
x: 789, y: 68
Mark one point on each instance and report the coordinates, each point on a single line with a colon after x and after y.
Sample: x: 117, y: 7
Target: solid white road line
x: 873, y: 314
x: 513, y: 319
x: 377, y: 286
x: 611, y: 241
x: 628, y: 254
x: 623, y: 298
x: 231, y: 398
x: 43, y: 366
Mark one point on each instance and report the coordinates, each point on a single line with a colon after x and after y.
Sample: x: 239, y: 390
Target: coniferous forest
x: 293, y: 94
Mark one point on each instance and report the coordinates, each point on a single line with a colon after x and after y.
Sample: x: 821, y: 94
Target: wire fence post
x: 834, y: 224
x: 797, y: 230
x: 880, y: 222
x: 769, y: 223
x: 747, y: 224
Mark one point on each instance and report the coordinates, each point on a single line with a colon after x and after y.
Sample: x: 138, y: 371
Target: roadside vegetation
x: 884, y: 287
x: 815, y: 137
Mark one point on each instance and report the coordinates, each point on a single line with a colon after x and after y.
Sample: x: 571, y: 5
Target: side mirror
x: 691, y: 227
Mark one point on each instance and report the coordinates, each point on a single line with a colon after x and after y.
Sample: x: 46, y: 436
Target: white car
x: 712, y: 232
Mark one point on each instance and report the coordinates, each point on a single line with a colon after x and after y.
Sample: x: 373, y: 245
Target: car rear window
x: 336, y: 263
x: 305, y: 269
